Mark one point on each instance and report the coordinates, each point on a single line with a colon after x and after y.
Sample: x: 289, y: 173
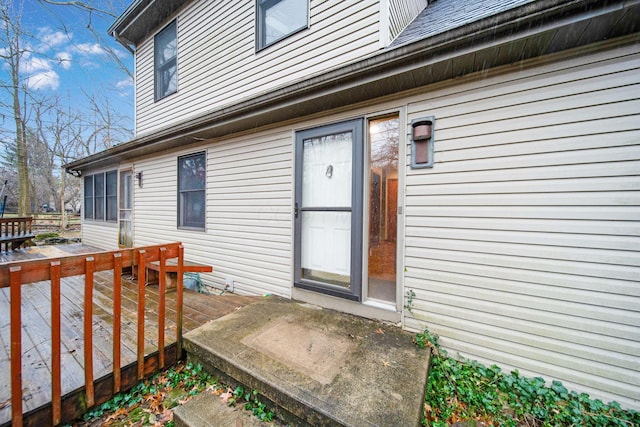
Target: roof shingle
x: 444, y: 15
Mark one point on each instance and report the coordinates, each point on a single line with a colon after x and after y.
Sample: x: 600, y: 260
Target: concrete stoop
x: 318, y: 367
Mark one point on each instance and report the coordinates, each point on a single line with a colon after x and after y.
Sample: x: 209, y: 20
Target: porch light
x: 139, y: 178
x: 422, y: 142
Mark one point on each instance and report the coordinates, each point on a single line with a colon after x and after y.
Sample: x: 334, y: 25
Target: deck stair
x: 314, y: 366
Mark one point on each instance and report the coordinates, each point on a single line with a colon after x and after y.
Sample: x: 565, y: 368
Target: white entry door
x: 328, y: 209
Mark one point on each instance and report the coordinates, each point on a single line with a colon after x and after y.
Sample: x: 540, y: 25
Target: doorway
x: 125, y: 208
x: 328, y: 209
x: 346, y: 197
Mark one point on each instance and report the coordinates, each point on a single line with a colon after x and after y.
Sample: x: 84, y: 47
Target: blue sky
x: 67, y: 59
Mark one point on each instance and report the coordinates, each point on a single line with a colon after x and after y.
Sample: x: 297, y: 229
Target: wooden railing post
x: 142, y: 277
x: 162, y: 287
x: 117, y: 318
x: 179, y: 300
x: 88, y: 330
x: 56, y: 376
x: 16, y: 345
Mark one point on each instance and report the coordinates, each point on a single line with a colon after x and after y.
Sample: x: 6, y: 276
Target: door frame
x: 354, y: 292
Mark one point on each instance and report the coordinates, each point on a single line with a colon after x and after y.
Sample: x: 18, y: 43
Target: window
x: 192, y: 174
x: 112, y: 196
x: 166, y: 52
x: 88, y: 197
x: 277, y: 19
x: 100, y: 196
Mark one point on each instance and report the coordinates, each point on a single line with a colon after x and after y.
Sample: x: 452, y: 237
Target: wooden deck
x: 36, y: 319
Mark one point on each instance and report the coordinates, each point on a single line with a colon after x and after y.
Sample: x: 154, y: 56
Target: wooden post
x: 16, y: 346
x: 88, y: 330
x: 162, y: 279
x: 142, y: 266
x: 117, y: 308
x: 179, y: 301
x: 56, y: 376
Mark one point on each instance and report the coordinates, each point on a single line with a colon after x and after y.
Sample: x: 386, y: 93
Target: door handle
x: 295, y: 210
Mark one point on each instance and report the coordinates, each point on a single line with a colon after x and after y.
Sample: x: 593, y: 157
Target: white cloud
x: 52, y: 39
x: 124, y: 84
x: 39, y: 73
x: 34, y: 64
x: 64, y: 59
x: 90, y: 49
x: 44, y: 79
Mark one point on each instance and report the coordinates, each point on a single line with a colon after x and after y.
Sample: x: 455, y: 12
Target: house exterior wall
x: 248, y: 224
x: 522, y: 241
x: 520, y: 244
x: 218, y: 63
x: 100, y: 235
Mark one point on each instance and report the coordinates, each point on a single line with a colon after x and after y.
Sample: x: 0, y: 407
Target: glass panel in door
x: 326, y: 183
x: 328, y: 210
x: 383, y: 208
x: 125, y: 216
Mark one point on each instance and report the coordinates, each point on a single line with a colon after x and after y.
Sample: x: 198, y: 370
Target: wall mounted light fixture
x: 139, y: 178
x: 422, y: 142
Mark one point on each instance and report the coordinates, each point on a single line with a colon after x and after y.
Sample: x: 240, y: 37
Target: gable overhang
x: 143, y: 18
x: 536, y: 29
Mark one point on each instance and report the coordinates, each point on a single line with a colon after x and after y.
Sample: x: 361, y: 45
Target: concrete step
x: 207, y: 409
x: 318, y: 366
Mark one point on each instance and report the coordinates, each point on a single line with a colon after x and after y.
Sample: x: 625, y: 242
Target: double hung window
x: 192, y: 176
x: 166, y: 67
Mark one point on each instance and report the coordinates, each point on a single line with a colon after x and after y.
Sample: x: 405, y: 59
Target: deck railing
x: 14, y: 232
x: 51, y: 271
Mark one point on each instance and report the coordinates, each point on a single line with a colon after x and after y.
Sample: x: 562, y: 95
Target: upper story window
x: 165, y: 46
x: 100, y: 196
x: 276, y: 19
x: 192, y: 176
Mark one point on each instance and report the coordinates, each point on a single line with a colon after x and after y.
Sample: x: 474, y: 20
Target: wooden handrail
x: 16, y: 274
x: 14, y: 232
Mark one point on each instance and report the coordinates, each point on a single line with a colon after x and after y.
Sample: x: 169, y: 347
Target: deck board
x: 36, y: 318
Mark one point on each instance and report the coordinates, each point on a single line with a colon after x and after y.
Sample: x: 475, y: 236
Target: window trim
x: 157, y: 69
x: 106, y: 198
x: 179, y: 219
x: 260, y: 26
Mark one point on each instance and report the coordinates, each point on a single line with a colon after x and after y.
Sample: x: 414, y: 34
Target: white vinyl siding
x: 100, y: 235
x: 218, y: 64
x: 248, y: 225
x: 522, y: 243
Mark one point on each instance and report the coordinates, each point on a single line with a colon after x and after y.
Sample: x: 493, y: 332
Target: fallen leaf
x: 385, y: 363
x: 379, y: 331
x: 226, y: 396
x: 114, y: 416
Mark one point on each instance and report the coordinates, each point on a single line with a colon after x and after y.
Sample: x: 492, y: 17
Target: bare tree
x: 41, y: 133
x: 99, y: 9
x: 12, y: 56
